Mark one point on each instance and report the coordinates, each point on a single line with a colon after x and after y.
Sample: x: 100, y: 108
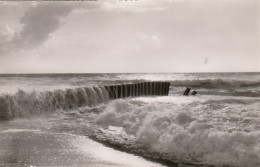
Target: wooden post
x: 140, y: 89
x: 111, y: 92
x: 119, y: 91
x: 136, y: 90
x: 128, y: 90
x: 186, y: 92
x: 133, y: 90
x: 163, y: 90
x: 194, y: 92
x: 160, y: 88
x: 143, y: 90
x: 116, y: 91
x: 166, y: 88
x: 153, y: 88
x: 149, y: 88
x: 156, y: 88
x: 123, y: 91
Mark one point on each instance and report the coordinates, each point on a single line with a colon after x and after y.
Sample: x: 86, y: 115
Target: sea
x: 69, y: 120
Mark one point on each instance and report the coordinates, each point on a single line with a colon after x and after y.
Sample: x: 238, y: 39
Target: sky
x: 130, y: 36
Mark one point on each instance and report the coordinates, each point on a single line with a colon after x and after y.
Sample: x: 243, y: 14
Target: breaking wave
x: 23, y: 104
x: 179, y: 134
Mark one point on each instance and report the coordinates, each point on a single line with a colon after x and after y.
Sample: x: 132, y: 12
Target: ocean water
x: 57, y: 115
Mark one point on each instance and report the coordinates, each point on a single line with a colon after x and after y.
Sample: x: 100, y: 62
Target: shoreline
x: 36, y: 148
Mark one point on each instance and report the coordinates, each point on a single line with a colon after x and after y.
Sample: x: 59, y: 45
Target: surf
x: 217, y: 127
x: 24, y: 104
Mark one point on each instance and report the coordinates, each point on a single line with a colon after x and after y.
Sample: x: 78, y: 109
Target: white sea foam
x: 218, y: 134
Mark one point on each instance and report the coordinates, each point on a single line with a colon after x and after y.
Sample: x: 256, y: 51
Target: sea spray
x: 24, y: 104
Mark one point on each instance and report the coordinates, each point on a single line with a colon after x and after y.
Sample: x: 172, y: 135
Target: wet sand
x: 34, y: 148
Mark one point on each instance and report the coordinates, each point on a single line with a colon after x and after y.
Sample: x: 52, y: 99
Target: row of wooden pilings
x: 138, y: 89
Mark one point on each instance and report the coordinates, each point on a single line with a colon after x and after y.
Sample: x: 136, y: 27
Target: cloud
x: 38, y: 22
x: 41, y: 19
x: 5, y: 39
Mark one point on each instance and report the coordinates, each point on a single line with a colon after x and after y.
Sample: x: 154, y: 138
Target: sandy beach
x: 24, y: 148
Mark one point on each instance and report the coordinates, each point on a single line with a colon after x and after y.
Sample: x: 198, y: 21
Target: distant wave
x: 215, y: 83
x: 245, y: 93
x: 24, y: 104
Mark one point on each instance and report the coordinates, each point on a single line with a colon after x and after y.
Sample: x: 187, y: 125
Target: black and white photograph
x: 129, y: 83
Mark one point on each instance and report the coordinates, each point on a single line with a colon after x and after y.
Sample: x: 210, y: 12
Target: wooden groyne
x: 138, y: 89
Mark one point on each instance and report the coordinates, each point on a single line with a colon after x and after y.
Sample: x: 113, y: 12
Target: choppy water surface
x: 220, y: 126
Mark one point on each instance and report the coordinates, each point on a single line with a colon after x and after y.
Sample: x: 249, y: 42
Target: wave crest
x: 23, y: 104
